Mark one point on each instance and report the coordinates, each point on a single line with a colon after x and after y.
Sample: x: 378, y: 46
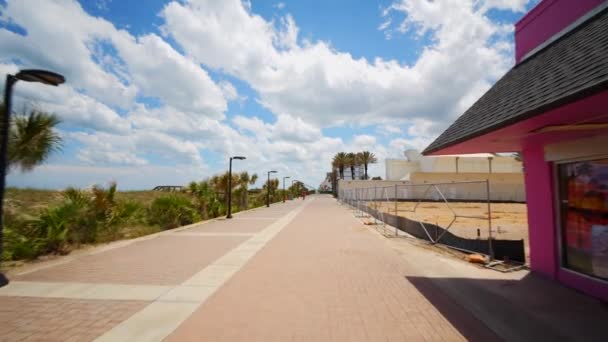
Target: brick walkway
x: 302, y: 271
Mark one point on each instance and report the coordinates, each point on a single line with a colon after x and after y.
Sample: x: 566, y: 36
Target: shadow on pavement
x: 531, y: 309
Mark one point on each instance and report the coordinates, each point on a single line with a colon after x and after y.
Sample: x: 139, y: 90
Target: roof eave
x: 586, y: 92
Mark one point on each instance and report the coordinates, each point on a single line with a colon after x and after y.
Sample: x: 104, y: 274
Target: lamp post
x: 32, y: 75
x: 229, y: 216
x: 284, y: 187
x: 268, y: 189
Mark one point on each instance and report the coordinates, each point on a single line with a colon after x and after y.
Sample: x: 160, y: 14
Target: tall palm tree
x: 366, y: 158
x: 339, y: 162
x: 220, y: 185
x: 32, y: 139
x: 244, y: 181
x: 351, y: 162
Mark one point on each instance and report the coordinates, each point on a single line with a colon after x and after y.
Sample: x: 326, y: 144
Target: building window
x: 583, y: 189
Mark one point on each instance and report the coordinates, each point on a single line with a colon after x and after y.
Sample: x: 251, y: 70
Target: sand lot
x: 509, y: 220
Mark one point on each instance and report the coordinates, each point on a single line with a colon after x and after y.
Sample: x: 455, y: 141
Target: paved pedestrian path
x: 306, y: 270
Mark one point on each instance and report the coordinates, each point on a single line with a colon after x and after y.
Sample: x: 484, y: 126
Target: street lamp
x: 284, y: 187
x: 32, y: 75
x: 230, y: 185
x: 268, y: 189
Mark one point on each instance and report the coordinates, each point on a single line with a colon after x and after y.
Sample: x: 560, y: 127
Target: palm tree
x: 272, y: 186
x: 351, y: 162
x: 220, y: 185
x: 339, y: 162
x: 244, y: 181
x: 366, y: 158
x: 205, y: 197
x: 32, y: 139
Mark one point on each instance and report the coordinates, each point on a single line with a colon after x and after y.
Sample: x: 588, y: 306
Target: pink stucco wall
x: 545, y: 20
x: 541, y: 214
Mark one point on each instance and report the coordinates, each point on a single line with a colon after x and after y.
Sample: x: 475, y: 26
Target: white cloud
x: 307, y: 85
x: 160, y: 71
x: 127, y: 177
x: 512, y: 5
x: 321, y: 85
x: 72, y: 107
x: 107, y: 64
x: 389, y: 129
x: 63, y: 46
x: 114, y: 149
x: 364, y: 141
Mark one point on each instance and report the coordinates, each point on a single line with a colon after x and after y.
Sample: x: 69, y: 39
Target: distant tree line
x: 352, y: 160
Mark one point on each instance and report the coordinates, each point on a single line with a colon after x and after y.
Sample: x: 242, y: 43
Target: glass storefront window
x: 584, y: 212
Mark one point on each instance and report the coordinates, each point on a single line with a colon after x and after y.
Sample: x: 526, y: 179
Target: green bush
x: 19, y: 246
x: 123, y: 214
x: 55, y: 224
x: 172, y: 211
x: 80, y: 217
x: 52, y: 228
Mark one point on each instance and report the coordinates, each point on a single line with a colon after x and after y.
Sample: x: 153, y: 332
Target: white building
x: 483, y: 163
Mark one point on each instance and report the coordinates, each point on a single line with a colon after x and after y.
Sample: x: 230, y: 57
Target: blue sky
x: 162, y: 92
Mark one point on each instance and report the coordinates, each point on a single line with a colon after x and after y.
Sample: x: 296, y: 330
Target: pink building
x: 552, y: 106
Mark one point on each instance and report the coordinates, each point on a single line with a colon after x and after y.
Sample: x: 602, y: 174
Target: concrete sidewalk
x: 303, y: 270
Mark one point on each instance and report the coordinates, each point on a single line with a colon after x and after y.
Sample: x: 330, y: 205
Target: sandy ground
x: 509, y: 220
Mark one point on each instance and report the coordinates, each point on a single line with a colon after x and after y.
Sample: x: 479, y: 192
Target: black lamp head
x: 40, y: 76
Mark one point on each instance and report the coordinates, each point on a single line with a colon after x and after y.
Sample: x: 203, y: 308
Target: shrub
x: 53, y: 228
x: 172, y: 211
x: 79, y: 217
x: 75, y: 212
x: 19, y: 246
x: 121, y: 215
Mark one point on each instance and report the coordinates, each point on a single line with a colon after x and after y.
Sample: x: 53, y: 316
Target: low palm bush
x: 79, y: 217
x: 36, y: 225
x: 20, y: 240
x: 172, y: 211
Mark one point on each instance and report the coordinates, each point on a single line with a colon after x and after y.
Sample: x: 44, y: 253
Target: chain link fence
x: 457, y: 214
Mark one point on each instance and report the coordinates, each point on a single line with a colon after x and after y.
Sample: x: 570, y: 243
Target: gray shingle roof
x: 573, y: 67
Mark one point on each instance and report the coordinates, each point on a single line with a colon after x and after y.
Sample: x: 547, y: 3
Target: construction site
x: 460, y: 215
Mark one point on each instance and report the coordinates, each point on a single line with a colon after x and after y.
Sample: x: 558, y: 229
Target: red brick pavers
x: 326, y: 277
x: 163, y: 260
x: 58, y: 319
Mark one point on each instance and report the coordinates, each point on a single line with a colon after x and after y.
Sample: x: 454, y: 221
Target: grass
x: 30, y: 201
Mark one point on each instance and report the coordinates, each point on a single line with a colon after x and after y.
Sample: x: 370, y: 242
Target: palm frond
x: 32, y: 139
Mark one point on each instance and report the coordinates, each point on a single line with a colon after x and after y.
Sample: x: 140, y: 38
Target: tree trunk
x: 365, y: 165
x: 352, y: 172
x: 245, y: 200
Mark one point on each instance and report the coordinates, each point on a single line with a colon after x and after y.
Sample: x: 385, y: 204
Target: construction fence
x: 457, y: 214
